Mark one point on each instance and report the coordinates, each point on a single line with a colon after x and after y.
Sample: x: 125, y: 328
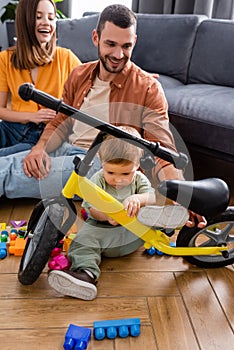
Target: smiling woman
x: 37, y: 60
x: 39, y: 31
x: 45, y: 22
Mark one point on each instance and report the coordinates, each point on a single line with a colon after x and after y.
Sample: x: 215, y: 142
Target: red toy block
x: 84, y: 214
x: 59, y: 262
x: 56, y: 251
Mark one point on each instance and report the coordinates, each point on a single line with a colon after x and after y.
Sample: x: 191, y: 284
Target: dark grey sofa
x: 194, y: 57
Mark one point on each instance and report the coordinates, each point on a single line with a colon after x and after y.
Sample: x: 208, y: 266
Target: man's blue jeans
x: 15, y: 184
x: 18, y: 137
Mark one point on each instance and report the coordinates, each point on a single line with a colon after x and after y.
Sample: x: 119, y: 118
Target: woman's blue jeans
x: 17, y: 137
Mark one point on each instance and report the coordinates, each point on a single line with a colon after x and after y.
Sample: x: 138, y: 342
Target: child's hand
x: 112, y: 222
x: 132, y: 205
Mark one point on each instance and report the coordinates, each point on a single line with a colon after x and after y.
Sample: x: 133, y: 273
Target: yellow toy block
x: 69, y: 237
x: 67, y: 241
x: 2, y: 225
x: 17, y: 246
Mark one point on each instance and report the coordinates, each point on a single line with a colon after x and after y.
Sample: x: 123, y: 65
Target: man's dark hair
x: 119, y: 15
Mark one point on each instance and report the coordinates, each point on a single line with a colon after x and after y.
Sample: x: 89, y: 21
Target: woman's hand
x: 44, y: 115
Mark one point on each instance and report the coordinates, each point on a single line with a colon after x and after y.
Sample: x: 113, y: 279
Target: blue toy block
x: 113, y: 328
x: 153, y: 250
x: 3, y: 250
x: 13, y: 230
x: 77, y: 338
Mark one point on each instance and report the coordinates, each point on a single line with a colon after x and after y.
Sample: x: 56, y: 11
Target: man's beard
x: 104, y: 61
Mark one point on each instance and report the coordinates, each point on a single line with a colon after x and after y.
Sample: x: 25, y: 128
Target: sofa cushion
x: 76, y: 34
x: 169, y: 82
x: 203, y: 115
x: 165, y: 43
x: 213, y: 54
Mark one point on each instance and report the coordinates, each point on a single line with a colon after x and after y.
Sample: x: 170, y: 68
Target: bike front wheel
x: 45, y: 229
x: 218, y: 232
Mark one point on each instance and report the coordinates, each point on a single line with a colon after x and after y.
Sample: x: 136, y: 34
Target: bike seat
x: 207, y: 197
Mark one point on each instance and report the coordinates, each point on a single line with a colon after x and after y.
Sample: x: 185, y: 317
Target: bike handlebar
x: 28, y: 92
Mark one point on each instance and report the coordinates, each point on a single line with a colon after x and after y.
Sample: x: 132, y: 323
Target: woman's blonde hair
x: 118, y: 151
x: 28, y: 51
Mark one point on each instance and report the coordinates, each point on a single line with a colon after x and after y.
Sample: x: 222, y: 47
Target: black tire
x: 219, y: 231
x: 45, y: 229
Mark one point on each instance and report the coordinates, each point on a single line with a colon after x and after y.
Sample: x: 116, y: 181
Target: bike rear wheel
x: 218, y: 232
x: 45, y: 230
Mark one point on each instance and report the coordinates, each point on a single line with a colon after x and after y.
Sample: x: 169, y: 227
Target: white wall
x: 79, y: 7
x: 3, y: 33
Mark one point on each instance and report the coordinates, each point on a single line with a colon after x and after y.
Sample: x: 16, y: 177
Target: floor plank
x: 181, y: 307
x: 171, y: 323
x: 137, y: 284
x: 60, y: 312
x: 146, y: 340
x: 53, y: 339
x: 140, y: 261
x: 222, y: 281
x: 23, y: 208
x: 5, y: 210
x: 205, y: 311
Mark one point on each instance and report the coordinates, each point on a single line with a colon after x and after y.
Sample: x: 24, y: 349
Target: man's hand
x: 37, y: 164
x: 155, y: 75
x: 196, y: 220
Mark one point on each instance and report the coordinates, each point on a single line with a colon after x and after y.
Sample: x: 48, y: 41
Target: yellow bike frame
x: 84, y: 188
x: 78, y: 184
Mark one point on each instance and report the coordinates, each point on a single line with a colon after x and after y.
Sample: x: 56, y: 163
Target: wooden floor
x: 180, y: 306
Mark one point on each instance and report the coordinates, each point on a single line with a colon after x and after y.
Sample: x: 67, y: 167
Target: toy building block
x: 18, y: 224
x: 59, y: 262
x: 4, y: 236
x: 17, y: 246
x: 56, y: 251
x: 13, y: 234
x: 77, y: 338
x: 3, y: 250
x: 153, y: 250
x: 67, y: 241
x: 84, y: 214
x: 113, y: 328
x: 21, y: 232
x: 2, y: 225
